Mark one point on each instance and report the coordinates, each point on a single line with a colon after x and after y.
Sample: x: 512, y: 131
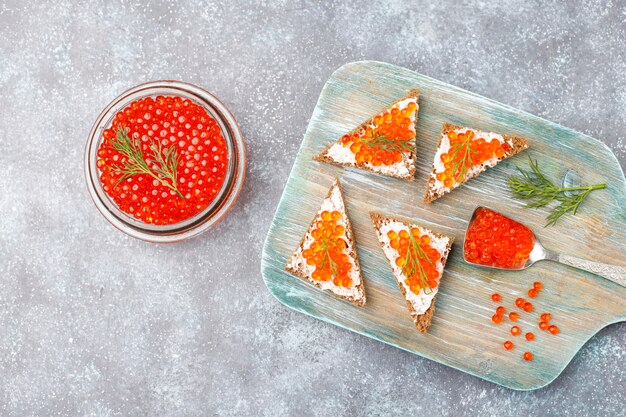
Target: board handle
x: 614, y: 273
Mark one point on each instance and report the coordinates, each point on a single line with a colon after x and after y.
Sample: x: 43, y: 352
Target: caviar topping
x: 326, y: 251
x: 388, y: 136
x: 162, y: 160
x: 417, y: 259
x: 466, y: 151
x: 495, y: 240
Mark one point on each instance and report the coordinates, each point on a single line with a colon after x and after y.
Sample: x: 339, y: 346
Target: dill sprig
x: 166, y: 161
x: 382, y: 142
x: 413, y: 264
x: 334, y: 270
x: 463, y: 150
x: 533, y: 187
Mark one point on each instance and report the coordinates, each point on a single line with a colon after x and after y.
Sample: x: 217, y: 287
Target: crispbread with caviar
x: 417, y: 257
x: 326, y: 255
x: 384, y: 144
x: 464, y: 153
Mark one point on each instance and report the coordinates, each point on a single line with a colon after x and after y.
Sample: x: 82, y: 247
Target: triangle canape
x: 463, y: 153
x: 383, y: 144
x: 419, y: 268
x: 326, y: 256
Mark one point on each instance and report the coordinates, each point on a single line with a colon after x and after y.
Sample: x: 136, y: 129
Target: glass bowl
x: 223, y: 201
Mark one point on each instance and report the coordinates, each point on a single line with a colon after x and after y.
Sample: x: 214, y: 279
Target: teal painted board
x: 461, y: 335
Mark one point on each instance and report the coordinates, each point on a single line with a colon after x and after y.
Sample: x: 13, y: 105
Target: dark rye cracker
x: 518, y: 145
x: 323, y: 157
x: 422, y: 321
x: 353, y: 253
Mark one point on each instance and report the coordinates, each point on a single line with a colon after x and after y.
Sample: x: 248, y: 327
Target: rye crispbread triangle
x: 338, y: 154
x: 435, y: 189
x: 421, y: 307
x: 298, y: 266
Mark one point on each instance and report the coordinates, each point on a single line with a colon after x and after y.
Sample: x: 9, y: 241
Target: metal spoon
x: 614, y: 273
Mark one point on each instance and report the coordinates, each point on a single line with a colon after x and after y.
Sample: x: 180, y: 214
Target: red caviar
x: 513, y: 316
x: 182, y: 159
x: 326, y: 252
x: 496, y: 297
x: 495, y: 240
x: 508, y: 345
x: 496, y: 318
x: 500, y: 311
x: 553, y: 329
x: 528, y: 356
x: 516, y: 331
x: 543, y: 325
x: 537, y: 285
x: 545, y: 317
x: 416, y: 257
x: 528, y: 307
x: 467, y: 151
x: 532, y: 293
x: 520, y: 302
x: 389, y: 135
x: 530, y: 336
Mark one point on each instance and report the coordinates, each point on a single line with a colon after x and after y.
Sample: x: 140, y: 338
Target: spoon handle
x: 614, y: 273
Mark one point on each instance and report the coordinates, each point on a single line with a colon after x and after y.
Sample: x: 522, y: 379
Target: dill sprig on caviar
x: 165, y: 161
x: 463, y: 150
x: 539, y: 191
x: 382, y: 142
x: 413, y: 263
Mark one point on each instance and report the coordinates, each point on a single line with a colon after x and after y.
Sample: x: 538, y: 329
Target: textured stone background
x: 95, y: 323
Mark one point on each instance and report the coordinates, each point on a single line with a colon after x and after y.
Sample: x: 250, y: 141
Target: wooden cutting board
x: 462, y: 335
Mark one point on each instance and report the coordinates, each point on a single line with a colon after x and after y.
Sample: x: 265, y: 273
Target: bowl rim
x: 221, y: 204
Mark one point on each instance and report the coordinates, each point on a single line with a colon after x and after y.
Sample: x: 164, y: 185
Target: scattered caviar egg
x: 513, y: 316
x: 520, y: 302
x: 545, y: 317
x: 553, y: 329
x: 508, y: 345
x: 543, y: 325
x: 496, y: 297
x: 528, y: 307
x: 326, y: 251
x: 466, y: 151
x: 530, y: 336
x: 537, y: 285
x: 500, y: 311
x: 496, y: 318
x: 163, y: 159
x: 528, y: 356
x: 516, y: 331
x: 495, y: 240
x: 532, y: 293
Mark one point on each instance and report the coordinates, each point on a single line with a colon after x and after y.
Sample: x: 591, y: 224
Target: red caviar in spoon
x: 163, y: 159
x: 495, y: 240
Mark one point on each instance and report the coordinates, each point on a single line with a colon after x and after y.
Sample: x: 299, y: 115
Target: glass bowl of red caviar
x: 165, y: 161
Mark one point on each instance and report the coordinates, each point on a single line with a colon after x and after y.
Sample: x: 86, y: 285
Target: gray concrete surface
x: 95, y: 323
